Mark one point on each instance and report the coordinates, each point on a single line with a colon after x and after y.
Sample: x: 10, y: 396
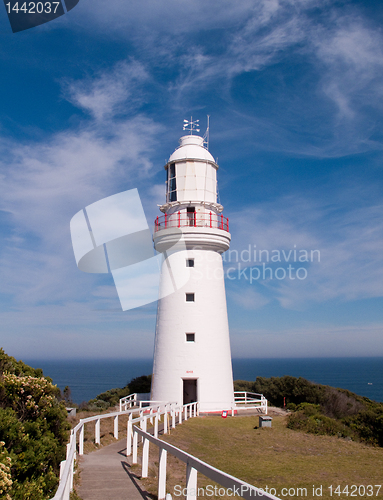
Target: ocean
x: 88, y: 378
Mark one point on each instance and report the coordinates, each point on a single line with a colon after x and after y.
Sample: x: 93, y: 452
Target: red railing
x: 179, y: 219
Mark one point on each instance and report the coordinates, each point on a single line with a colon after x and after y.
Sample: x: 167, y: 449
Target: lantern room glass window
x: 190, y: 297
x: 171, y: 183
x: 190, y: 337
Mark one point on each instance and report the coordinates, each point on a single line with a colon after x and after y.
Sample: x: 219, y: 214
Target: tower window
x: 189, y: 262
x: 190, y: 297
x: 190, y: 337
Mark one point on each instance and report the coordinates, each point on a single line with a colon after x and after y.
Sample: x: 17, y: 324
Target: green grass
x: 277, y: 457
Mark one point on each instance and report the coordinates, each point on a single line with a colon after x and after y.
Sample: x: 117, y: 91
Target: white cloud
x: 106, y: 95
x: 320, y: 341
x: 78, y: 330
x: 249, y: 299
x: 352, y: 55
x: 349, y: 239
x: 45, y: 183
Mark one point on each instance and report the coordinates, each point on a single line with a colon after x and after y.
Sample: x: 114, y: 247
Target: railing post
x: 115, y: 427
x: 180, y: 415
x: 129, y: 437
x: 210, y: 220
x: 151, y: 415
x: 145, y: 458
x: 75, y: 446
x: 71, y: 476
x: 166, y: 220
x: 97, y: 438
x: 166, y: 421
x: 197, y: 409
x: 195, y: 219
x: 135, y: 444
x: 156, y: 425
x: 186, y: 413
x: 62, y: 466
x: 179, y: 218
x: 227, y: 224
x: 143, y: 426
x: 66, y: 489
x: 81, y: 441
x: 173, y: 418
x: 162, y: 474
x: 191, y: 483
x: 221, y: 221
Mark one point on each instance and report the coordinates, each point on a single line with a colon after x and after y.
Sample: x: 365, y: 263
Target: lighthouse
x: 192, y: 359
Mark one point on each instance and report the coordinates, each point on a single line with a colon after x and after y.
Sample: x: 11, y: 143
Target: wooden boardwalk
x: 105, y: 475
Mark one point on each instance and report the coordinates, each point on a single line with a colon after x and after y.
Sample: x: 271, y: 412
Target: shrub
x: 113, y: 396
x: 33, y: 428
x: 140, y: 384
x: 322, y: 409
x: 308, y: 418
x: 5, y: 472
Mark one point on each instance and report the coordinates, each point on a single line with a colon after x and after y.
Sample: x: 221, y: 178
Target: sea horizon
x: 89, y: 377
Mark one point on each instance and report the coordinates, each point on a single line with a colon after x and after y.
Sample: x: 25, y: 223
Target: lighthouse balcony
x: 179, y: 219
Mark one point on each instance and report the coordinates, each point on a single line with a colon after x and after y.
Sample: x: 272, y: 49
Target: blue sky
x: 93, y: 103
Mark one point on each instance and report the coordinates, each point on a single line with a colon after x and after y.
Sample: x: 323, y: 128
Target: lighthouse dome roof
x: 191, y: 147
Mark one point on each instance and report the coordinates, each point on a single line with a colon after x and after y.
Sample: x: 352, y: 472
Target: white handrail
x: 154, y: 411
x: 67, y: 466
x: 128, y: 400
x: 193, y: 465
x: 250, y: 400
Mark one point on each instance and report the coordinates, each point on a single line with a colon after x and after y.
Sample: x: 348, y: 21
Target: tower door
x: 191, y: 216
x: 190, y: 391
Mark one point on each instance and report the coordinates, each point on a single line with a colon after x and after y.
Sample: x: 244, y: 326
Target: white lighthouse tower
x: 192, y: 360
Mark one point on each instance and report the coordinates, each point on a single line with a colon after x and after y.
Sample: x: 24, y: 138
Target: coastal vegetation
x: 321, y: 409
x: 33, y: 432
x: 112, y: 397
x: 315, y: 408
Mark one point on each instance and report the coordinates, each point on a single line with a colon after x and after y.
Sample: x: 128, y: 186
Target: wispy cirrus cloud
x: 328, y: 110
x: 109, y: 93
x: 349, y: 240
x: 352, y: 55
x: 44, y: 183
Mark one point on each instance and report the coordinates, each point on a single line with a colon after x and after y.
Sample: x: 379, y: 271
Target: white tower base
x: 192, y: 360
